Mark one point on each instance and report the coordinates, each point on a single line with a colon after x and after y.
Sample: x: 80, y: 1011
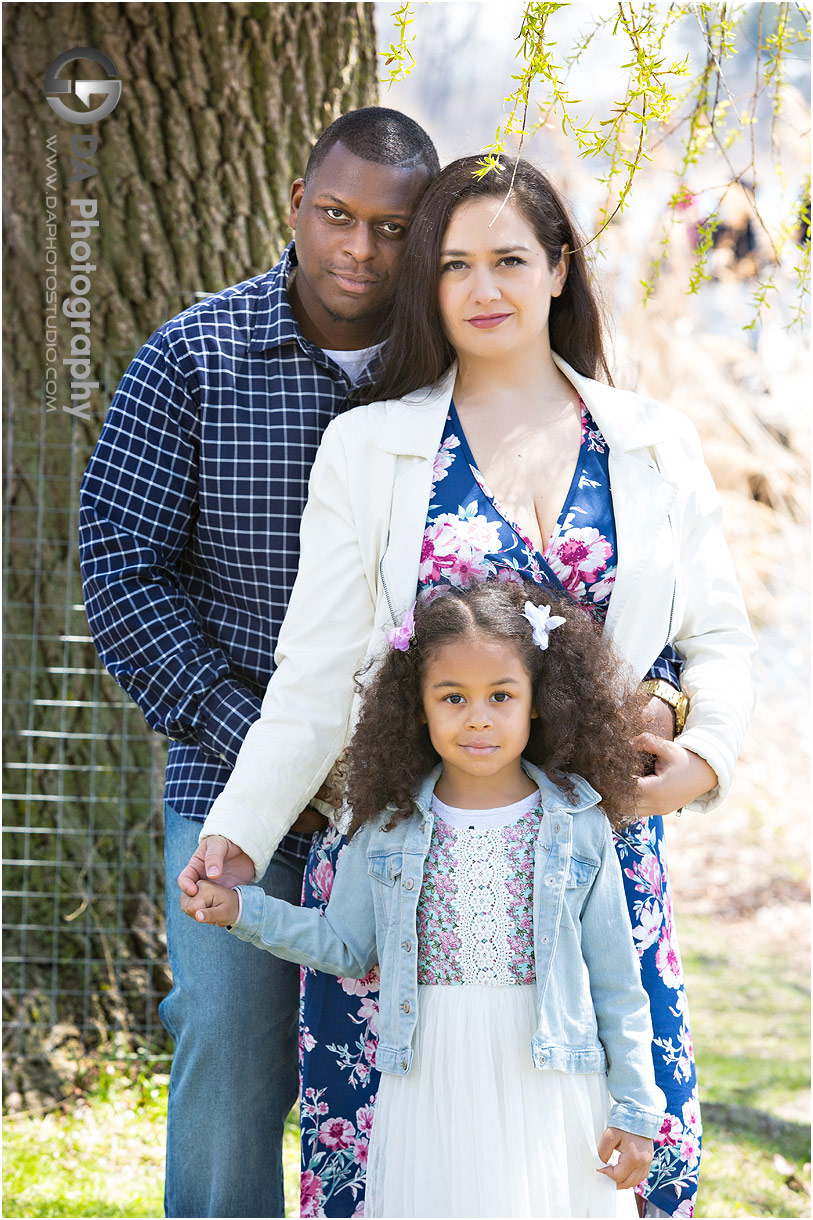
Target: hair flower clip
x: 399, y: 637
x: 543, y: 624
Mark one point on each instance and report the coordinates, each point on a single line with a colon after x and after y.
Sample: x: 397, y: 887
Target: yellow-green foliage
x: 657, y: 98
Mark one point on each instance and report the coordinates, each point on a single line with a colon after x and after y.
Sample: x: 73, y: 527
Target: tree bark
x: 189, y: 176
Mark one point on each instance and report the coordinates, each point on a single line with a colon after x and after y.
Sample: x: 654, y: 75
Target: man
x: 190, y: 512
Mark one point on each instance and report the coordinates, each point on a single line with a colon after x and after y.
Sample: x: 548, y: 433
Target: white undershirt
x: 353, y: 363
x: 485, y: 819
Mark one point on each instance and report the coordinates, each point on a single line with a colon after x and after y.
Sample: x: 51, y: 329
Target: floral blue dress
x: 468, y: 536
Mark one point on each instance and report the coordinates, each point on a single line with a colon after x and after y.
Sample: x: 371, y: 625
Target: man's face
x: 350, y: 221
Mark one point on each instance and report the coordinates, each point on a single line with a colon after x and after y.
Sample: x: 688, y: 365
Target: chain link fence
x: 84, y: 952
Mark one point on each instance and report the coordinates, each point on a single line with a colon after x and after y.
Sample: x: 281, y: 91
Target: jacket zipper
x: 674, y: 585
x: 671, y: 613
x: 384, y: 584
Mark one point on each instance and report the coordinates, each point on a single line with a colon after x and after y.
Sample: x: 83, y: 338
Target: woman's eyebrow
x: 498, y: 250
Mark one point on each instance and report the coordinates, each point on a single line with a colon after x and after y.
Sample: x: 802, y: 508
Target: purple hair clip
x: 399, y: 637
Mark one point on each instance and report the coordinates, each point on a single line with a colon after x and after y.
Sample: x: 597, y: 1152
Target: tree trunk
x: 188, y: 179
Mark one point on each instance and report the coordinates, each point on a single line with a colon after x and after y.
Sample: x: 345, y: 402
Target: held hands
x: 215, y: 904
x: 634, y: 1157
x: 219, y: 858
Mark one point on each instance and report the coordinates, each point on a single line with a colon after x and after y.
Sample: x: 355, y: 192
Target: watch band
x: 676, y: 699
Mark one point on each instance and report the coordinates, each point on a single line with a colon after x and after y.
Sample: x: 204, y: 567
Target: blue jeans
x: 233, y: 1015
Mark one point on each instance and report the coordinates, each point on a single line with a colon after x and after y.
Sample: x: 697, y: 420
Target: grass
x: 103, y: 1156
x: 751, y: 1026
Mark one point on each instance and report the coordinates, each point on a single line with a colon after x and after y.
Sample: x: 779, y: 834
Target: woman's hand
x: 680, y: 776
x: 219, y: 858
x: 634, y: 1157
x: 217, y: 904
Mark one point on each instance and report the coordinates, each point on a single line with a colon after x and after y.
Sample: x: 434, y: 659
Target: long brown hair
x: 588, y: 703
x: 419, y: 352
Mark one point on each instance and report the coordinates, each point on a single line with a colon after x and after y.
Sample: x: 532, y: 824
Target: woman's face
x: 495, y: 284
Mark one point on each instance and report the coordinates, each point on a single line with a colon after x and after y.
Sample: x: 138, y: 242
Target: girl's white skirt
x: 474, y: 1129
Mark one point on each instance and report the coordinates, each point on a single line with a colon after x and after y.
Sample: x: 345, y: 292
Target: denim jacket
x: 593, y: 1012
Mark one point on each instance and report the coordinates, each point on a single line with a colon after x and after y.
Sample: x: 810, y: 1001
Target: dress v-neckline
x: 544, y: 553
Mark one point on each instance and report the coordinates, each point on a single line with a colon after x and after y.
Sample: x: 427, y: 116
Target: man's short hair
x: 377, y: 134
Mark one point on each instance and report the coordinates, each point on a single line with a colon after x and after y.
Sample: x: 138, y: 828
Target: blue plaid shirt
x: 189, y: 521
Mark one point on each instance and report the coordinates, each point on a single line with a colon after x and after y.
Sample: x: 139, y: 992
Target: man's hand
x: 216, y: 857
x: 634, y: 1157
x: 216, y: 904
x: 680, y: 776
x: 660, y: 718
x: 309, y: 821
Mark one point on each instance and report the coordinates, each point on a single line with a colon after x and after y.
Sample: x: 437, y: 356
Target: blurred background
x: 220, y: 105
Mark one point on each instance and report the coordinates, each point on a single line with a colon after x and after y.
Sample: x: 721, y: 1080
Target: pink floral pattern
x: 438, y: 927
x: 443, y: 460
x: 519, y: 850
x: 577, y: 556
x: 338, y: 1078
x: 480, y: 539
x: 438, y: 941
x: 310, y: 1194
x: 455, y: 548
x: 672, y: 1181
x: 591, y: 437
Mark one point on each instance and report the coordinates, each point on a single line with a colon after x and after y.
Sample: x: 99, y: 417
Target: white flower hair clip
x: 542, y: 622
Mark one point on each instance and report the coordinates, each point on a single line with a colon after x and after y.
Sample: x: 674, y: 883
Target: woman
x: 515, y: 457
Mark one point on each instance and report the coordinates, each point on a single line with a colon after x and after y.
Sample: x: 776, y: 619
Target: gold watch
x: 676, y: 699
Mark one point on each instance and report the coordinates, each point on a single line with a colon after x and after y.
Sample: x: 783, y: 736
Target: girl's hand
x: 212, y: 904
x: 634, y: 1157
x: 680, y: 776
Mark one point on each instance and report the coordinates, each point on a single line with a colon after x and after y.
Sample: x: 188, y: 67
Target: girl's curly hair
x: 588, y: 702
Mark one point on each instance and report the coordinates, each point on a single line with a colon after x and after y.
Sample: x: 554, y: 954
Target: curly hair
x: 588, y: 702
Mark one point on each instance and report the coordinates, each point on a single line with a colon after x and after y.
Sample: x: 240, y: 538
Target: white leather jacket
x: 361, y: 537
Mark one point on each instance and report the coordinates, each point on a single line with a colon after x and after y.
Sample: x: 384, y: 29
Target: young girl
x: 489, y: 891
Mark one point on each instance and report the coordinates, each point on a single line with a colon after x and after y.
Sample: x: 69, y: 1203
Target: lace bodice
x: 475, y: 922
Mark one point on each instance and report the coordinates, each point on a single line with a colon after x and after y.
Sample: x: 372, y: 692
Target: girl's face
x: 495, y: 284
x: 478, y: 704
